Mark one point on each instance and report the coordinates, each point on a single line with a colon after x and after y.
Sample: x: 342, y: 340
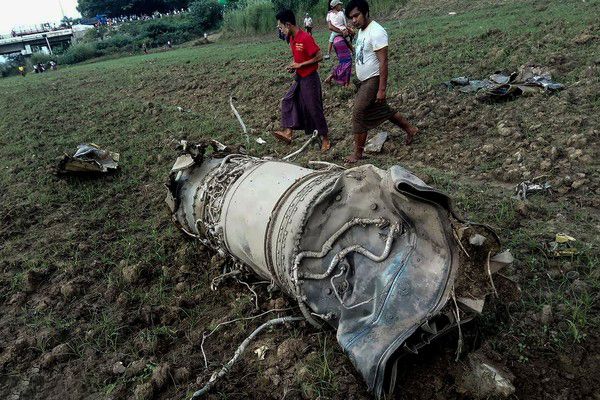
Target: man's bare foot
x: 325, y: 145
x: 410, y: 135
x: 285, y: 136
x: 354, y: 158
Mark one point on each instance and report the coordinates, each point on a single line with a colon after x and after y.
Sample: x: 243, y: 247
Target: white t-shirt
x: 308, y: 22
x: 368, y: 42
x: 337, y: 19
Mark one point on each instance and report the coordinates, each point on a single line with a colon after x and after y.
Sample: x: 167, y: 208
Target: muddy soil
x: 102, y: 298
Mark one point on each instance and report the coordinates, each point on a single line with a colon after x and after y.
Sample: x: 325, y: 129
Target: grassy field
x: 92, y: 272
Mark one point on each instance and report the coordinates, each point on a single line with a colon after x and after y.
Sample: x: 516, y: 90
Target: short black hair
x: 286, y: 16
x: 362, y: 6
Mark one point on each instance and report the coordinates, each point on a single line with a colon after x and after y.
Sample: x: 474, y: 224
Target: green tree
x: 206, y: 14
x: 295, y: 5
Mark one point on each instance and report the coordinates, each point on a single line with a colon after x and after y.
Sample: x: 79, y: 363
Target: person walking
x: 342, y: 73
x: 370, y: 106
x: 302, y: 106
x: 337, y: 24
x: 308, y: 24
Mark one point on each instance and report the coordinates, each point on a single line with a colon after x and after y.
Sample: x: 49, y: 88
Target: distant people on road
x: 302, y: 106
x: 53, y: 65
x: 144, y: 48
x: 370, y: 106
x: 22, y: 70
x: 169, y: 44
x: 308, y: 23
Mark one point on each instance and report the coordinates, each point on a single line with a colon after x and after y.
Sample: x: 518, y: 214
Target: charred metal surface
x: 377, y: 255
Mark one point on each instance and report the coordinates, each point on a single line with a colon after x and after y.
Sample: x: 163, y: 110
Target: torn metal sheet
x: 89, y: 158
x: 373, y: 253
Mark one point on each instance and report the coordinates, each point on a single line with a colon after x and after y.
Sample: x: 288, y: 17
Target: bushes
x: 256, y: 17
x: 78, y: 53
x: 37, y: 58
x: 158, y: 32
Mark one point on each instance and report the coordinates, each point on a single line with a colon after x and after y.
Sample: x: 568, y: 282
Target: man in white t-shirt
x: 308, y: 23
x: 370, y: 106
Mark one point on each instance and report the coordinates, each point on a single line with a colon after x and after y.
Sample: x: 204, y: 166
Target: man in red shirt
x: 302, y: 106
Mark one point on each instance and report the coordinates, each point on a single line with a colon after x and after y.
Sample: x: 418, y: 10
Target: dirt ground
x: 102, y: 298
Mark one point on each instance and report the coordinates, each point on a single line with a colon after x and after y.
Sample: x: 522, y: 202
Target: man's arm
x: 382, y: 56
x: 316, y: 59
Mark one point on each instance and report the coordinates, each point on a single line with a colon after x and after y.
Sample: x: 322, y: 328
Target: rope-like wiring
x: 240, y: 350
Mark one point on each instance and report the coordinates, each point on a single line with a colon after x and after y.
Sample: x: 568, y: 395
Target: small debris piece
x: 375, y: 144
x: 261, y: 352
x: 183, y: 162
x: 477, y: 240
x: 483, y: 379
x: 261, y: 141
x: 89, y: 158
x: 562, y: 238
x: 500, y: 261
x: 562, y: 246
x: 473, y: 304
x: 526, y: 188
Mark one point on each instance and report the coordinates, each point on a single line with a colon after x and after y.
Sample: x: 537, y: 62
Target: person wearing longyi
x: 370, y: 105
x: 302, y: 106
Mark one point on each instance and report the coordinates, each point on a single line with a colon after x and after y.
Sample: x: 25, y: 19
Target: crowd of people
x: 302, y: 106
x: 114, y: 21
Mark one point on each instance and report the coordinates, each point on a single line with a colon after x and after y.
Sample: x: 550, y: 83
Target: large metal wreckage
x: 379, y: 256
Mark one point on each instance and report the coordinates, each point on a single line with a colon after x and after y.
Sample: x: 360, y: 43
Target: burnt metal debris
x: 499, y: 86
x: 378, y: 255
x: 89, y: 158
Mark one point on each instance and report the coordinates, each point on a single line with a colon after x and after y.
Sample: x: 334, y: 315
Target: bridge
x: 23, y: 44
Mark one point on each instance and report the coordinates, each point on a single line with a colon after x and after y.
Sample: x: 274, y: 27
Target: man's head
x: 286, y: 20
x: 358, y: 12
x: 336, y: 5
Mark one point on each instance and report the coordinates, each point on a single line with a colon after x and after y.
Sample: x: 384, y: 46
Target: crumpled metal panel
x: 406, y: 289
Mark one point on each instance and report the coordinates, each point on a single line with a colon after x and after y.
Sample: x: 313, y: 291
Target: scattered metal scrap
x: 527, y: 188
x: 89, y: 158
x: 562, y: 246
x: 377, y: 255
x: 499, y: 86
